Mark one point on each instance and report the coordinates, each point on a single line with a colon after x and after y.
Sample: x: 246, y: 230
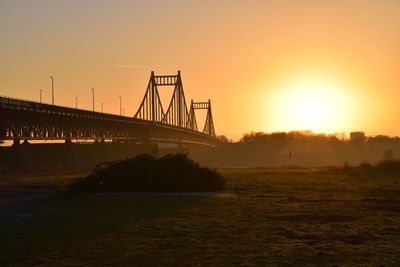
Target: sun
x: 311, y: 112
x: 310, y: 103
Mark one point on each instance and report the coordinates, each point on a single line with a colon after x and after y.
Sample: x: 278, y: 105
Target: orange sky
x: 256, y: 60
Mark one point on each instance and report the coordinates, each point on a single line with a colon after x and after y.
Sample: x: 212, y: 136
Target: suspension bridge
x: 28, y: 120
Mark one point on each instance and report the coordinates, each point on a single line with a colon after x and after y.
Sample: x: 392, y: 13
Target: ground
x: 278, y: 217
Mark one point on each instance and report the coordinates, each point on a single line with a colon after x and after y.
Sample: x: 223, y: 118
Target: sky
x: 327, y: 66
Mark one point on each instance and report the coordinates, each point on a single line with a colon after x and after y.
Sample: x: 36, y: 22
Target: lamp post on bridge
x: 102, y: 105
x: 93, y: 97
x: 76, y: 102
x: 120, y: 105
x: 52, y: 89
x: 40, y: 95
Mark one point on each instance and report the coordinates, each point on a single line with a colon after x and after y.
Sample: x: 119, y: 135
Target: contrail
x: 127, y: 66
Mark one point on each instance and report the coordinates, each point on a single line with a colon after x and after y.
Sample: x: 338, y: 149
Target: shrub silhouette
x: 382, y: 166
x: 388, y: 165
x: 144, y: 173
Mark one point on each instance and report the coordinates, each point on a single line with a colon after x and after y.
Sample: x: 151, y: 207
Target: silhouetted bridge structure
x: 28, y: 120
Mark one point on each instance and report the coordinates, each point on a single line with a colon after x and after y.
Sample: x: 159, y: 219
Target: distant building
x: 357, y: 138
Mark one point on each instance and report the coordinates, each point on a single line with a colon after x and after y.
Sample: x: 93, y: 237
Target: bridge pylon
x: 151, y: 108
x: 209, y: 124
x: 177, y: 113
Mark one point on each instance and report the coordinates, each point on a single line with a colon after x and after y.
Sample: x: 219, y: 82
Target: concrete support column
x: 16, y: 142
x: 24, y: 156
x: 151, y: 148
x: 72, y: 157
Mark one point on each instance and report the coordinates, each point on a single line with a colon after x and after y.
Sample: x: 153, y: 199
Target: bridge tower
x: 209, y: 124
x: 177, y: 113
x: 151, y: 108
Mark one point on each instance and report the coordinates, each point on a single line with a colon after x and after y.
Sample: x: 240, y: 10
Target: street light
x: 93, y: 97
x: 76, y: 102
x: 102, y: 105
x: 52, y: 89
x: 120, y: 105
x: 41, y: 90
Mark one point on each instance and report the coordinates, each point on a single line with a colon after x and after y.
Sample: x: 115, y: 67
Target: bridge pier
x: 121, y: 149
x: 72, y: 159
x: 26, y: 155
x: 16, y: 142
x: 147, y: 148
x: 104, y: 150
x: 20, y: 156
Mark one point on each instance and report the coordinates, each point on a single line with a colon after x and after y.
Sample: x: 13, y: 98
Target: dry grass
x: 278, y: 217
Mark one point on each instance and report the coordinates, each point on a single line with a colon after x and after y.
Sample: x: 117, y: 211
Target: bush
x: 144, y: 173
x: 382, y: 166
x: 388, y: 165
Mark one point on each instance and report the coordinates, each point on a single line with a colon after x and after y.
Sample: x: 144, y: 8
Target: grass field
x: 282, y: 217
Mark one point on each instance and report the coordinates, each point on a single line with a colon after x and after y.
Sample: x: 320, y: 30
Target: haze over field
x: 327, y: 66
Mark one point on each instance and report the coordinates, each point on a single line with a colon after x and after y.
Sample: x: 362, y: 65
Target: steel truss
x: 177, y: 113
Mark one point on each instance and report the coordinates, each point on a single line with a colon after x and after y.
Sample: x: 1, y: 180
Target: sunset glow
x: 311, y: 103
